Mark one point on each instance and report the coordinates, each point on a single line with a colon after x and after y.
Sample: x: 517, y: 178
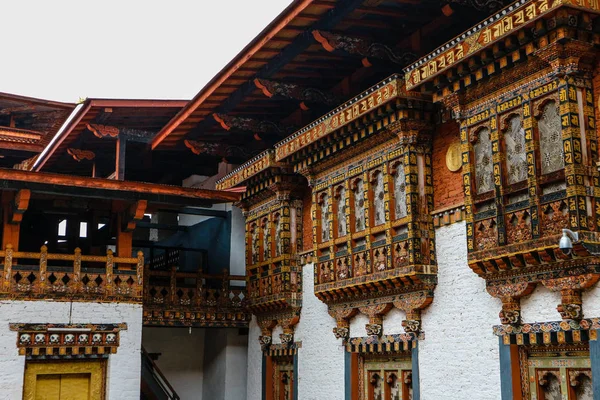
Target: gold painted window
x: 558, y: 374
x: 386, y: 378
x: 64, y: 380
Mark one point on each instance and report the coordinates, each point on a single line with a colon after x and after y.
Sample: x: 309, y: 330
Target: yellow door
x: 73, y: 380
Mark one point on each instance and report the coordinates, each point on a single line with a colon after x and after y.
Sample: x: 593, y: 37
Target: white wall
x: 124, y: 368
x: 459, y: 357
x: 181, y: 359
x: 225, y: 363
x: 254, y: 362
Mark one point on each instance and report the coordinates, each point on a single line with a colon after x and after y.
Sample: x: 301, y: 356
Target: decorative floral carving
x: 486, y: 234
x: 341, y: 332
x: 516, y: 156
x: 359, y: 206
x: 518, y: 227
x: 555, y: 217
x: 551, y: 146
x: 484, y: 175
x: 374, y: 329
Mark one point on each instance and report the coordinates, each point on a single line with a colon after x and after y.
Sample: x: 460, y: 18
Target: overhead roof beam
x: 355, y: 46
x: 328, y: 21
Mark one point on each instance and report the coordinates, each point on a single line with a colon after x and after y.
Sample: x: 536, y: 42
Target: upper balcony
x: 71, y: 238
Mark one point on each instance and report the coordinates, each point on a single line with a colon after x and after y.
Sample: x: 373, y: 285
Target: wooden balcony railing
x: 169, y: 297
x: 193, y: 299
x: 73, y: 276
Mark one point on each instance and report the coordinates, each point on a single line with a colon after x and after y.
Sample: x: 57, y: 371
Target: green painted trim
x: 414, y: 356
x: 296, y: 376
x: 595, y: 362
x: 506, y: 384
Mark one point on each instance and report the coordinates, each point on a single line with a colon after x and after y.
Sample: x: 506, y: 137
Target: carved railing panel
x: 33, y: 276
x: 173, y: 298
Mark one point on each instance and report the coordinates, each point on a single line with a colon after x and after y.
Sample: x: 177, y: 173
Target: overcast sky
x: 63, y: 50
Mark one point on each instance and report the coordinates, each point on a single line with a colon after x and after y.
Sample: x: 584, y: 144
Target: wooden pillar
x: 595, y: 362
x: 120, y: 158
x: 415, y: 371
x: 267, y: 377
x: 510, y: 373
x: 295, y: 380
x: 14, y: 206
x: 124, y: 239
x: 351, y: 376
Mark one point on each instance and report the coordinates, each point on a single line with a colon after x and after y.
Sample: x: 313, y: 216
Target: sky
x: 65, y: 50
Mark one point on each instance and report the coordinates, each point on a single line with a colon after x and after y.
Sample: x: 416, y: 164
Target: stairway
x: 155, y: 385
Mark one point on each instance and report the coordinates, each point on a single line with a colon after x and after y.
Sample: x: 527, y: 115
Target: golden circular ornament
x: 453, y: 157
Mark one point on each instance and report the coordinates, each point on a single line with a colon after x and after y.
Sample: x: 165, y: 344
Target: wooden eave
x: 77, y: 186
x: 91, y: 108
x: 43, y: 117
x: 20, y: 139
x: 286, y: 51
x: 355, y: 109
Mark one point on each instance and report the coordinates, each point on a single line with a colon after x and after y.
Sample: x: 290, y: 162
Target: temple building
x: 374, y: 200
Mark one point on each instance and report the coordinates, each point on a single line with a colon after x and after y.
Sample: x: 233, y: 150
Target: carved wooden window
x: 399, y: 192
x: 553, y: 376
x: 385, y: 378
x: 484, y: 169
x: 551, y: 146
x: 278, y: 239
x: 324, y: 206
x: 266, y: 245
x: 378, y: 199
x: 516, y: 156
x: 342, y: 228
x: 359, y: 206
x: 255, y: 244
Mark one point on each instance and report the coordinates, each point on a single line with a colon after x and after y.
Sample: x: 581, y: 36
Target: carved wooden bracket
x: 20, y: 205
x: 305, y: 95
x: 342, y: 320
x: 375, y: 314
x: 570, y: 288
x: 135, y: 214
x: 567, y: 58
x: 362, y: 47
x: 102, y: 131
x: 80, y: 155
x: 412, y: 304
x: 228, y: 122
x: 266, y: 329
x: 510, y: 295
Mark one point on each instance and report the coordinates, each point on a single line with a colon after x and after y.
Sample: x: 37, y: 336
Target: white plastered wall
x: 459, y: 355
x: 124, y: 367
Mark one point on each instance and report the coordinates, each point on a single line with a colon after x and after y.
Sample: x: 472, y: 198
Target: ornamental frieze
x: 67, y: 340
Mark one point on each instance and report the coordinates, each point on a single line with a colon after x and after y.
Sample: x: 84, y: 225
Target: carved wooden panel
x: 378, y: 201
x: 551, y: 146
x: 359, y: 206
x: 325, y: 217
x: 516, y: 156
x: 484, y: 174
x: 342, y: 228
x: 400, y: 192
